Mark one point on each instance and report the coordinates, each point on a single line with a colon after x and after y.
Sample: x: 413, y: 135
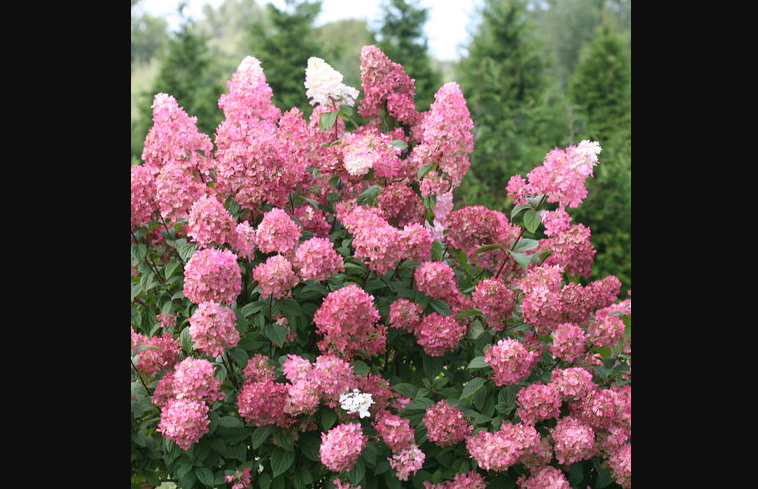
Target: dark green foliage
x: 284, y: 48
x: 402, y: 39
x: 503, y: 82
x: 601, y: 90
x: 149, y: 37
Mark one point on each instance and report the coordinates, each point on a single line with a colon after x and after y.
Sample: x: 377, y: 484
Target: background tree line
x: 538, y: 74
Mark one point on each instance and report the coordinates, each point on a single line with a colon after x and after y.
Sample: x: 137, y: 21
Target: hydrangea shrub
x: 308, y: 310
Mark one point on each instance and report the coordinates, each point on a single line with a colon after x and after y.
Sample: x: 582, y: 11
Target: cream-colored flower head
x: 324, y: 85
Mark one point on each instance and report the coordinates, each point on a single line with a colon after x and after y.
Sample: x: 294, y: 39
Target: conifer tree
x: 403, y: 40
x: 600, y: 88
x: 504, y: 85
x: 284, y: 48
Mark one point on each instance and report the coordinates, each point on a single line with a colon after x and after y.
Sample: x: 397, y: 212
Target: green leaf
x: 477, y: 363
x: 506, y: 400
x: 436, y: 251
x: 406, y: 390
x: 264, y: 480
x: 360, y: 368
x: 467, y: 313
x: 240, y: 356
x: 309, y: 444
x: 472, y: 386
x: 276, y: 333
x: 535, y: 201
x: 521, y: 259
x: 440, y: 307
x: 400, y: 144
x: 205, y: 475
x: 517, y: 210
x: 355, y: 475
x: 142, y: 348
x: 326, y: 122
x: 281, y: 460
x: 426, y: 169
x: 382, y: 467
x: 576, y: 474
x: 418, y: 404
x: 488, y: 247
x: 186, y: 251
x: 250, y: 309
x: 261, y: 435
x: 185, y: 340
x: 284, y: 438
x: 139, y: 252
x: 328, y: 417
x: 475, y: 330
x: 525, y: 244
x: 432, y: 366
x: 230, y: 422
x: 368, y: 196
x: 604, y: 477
x: 532, y: 220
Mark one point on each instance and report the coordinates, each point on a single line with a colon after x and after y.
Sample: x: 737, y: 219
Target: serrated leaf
x: 488, y: 247
x: 261, y: 435
x: 426, y: 169
x: 440, y: 307
x: 240, y: 356
x: 475, y: 330
x: 467, y: 313
x: 521, y: 259
x: 517, y: 210
x: 328, y: 417
x: 432, y: 366
x: 526, y: 244
x: 472, y: 386
x: 532, y: 220
x: 368, y: 196
x: 251, y: 308
x: 355, y: 475
x: 400, y: 144
x: 477, y: 363
x: 264, y: 480
x: 418, y: 404
x: 205, y: 475
x: 281, y: 460
x: 276, y: 333
x: 382, y: 467
x: 406, y: 390
x: 284, y: 438
x: 230, y: 422
x: 326, y: 122
x: 185, y: 340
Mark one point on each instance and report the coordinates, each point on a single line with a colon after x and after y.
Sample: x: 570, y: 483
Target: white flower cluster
x: 586, y: 156
x: 356, y: 401
x: 324, y: 85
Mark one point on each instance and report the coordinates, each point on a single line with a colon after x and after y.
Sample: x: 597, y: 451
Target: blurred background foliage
x: 537, y: 74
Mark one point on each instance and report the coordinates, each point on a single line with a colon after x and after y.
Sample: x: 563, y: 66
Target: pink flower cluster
x: 243, y: 240
x: 277, y: 232
x: 395, y: 431
x: 561, y: 177
x: 150, y: 362
x: 537, y: 402
x: 210, y: 223
x: 385, y: 84
x: 367, y: 149
x: 510, y: 360
x: 620, y: 463
x: 401, y: 205
x: 569, y: 342
x: 466, y: 480
x: 544, y: 478
x: 212, y: 327
x: 143, y: 196
x: 241, y: 476
x: 578, y: 302
x: 476, y: 226
x: 541, y: 306
x: 316, y: 259
x: 407, y: 461
x: 436, y: 279
x: 342, y: 446
x: 446, y: 425
x: 313, y: 220
x: 500, y: 450
x: 258, y: 369
x: 570, y: 249
x: 194, y: 378
x: 573, y: 440
x: 262, y: 403
x: 446, y: 135
x: 275, y: 277
x: 212, y: 275
x: 166, y: 320
x: 496, y: 301
x: 438, y: 334
x: 405, y: 314
x: 185, y: 421
x: 349, y: 322
x: 573, y: 383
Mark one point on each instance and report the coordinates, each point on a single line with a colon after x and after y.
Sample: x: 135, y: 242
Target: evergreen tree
x: 185, y: 74
x: 601, y: 90
x: 284, y: 48
x: 504, y: 86
x: 402, y: 39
